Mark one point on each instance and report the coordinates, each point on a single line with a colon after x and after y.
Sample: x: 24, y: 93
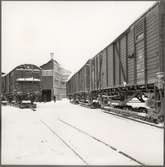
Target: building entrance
x: 46, y: 95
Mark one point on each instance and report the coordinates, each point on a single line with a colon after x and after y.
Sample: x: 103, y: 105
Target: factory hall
x: 53, y: 80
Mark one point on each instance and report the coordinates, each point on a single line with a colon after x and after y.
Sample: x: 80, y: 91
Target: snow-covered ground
x: 63, y: 133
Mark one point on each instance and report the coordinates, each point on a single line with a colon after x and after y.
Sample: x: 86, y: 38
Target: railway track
x: 136, y: 119
x: 77, y: 153
x: 66, y: 144
x: 101, y: 141
x: 125, y: 114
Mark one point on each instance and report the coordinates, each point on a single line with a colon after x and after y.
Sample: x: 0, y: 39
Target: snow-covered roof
x: 28, y: 79
x: 20, y: 69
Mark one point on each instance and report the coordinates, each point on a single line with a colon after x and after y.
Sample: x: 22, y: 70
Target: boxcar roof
x: 118, y: 37
x: 25, y: 66
x: 148, y: 10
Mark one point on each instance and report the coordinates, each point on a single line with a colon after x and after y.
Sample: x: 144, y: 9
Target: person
x: 54, y: 98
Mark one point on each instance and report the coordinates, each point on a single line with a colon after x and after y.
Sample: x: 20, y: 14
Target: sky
x: 74, y: 31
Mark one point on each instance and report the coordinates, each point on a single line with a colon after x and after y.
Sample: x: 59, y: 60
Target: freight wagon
x: 22, y: 83
x: 79, y: 84
x: 132, y: 66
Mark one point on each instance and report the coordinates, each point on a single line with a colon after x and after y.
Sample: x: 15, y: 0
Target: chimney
x: 52, y: 55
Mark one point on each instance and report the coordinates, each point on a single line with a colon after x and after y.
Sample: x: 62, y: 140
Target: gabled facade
x: 54, y: 79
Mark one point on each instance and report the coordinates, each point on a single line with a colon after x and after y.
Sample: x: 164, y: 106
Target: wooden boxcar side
x: 79, y: 83
x: 92, y: 74
x: 84, y: 78
x: 110, y: 65
x: 87, y: 76
x: 123, y: 58
x: 152, y: 46
x: 76, y: 83
x: 73, y: 84
x: 103, y: 69
x: 131, y: 54
x: 133, y: 58
x: 96, y: 79
x: 96, y: 69
x: 130, y: 67
x: 15, y: 81
x: 7, y: 84
x: 23, y: 85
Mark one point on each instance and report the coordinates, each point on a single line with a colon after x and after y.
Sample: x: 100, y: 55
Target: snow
x: 26, y: 139
x: 29, y: 69
x: 27, y: 79
x: 26, y: 101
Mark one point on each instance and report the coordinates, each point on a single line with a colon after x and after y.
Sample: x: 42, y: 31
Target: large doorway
x: 46, y: 95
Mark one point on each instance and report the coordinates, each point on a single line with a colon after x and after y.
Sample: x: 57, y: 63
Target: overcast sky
x: 74, y: 31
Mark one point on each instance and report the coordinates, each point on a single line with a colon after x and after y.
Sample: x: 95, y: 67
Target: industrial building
x: 54, y: 78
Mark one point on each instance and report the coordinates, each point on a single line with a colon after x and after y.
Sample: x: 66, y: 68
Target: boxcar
x: 79, y: 84
x: 131, y: 66
x: 22, y: 83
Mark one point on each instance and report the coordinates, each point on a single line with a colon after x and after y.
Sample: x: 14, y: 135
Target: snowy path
x: 27, y: 139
